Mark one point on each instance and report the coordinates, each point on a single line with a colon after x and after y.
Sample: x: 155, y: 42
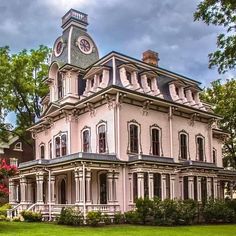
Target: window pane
x: 63, y: 145
x: 200, y: 148
x: 50, y: 150
x: 157, y: 185
x: 102, y: 139
x: 134, y: 138
x: 155, y: 142
x: 57, y: 146
x: 183, y: 146
x: 86, y: 141
x: 42, y: 151
x: 59, y: 85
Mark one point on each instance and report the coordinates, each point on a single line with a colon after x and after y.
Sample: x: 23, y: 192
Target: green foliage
x: 215, y: 211
x: 4, y: 208
x: 118, y: 218
x: 222, y: 97
x: 221, y: 13
x: 144, y: 209
x: 106, y: 219
x: 132, y: 217
x: 16, y: 219
x: 31, y: 216
x: 22, y: 85
x: 70, y: 216
x: 3, y: 218
x: 94, y: 218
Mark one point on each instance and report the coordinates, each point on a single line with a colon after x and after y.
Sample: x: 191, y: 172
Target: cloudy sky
x: 129, y: 27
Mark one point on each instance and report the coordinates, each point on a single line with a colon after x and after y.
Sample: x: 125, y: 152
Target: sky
x: 127, y: 26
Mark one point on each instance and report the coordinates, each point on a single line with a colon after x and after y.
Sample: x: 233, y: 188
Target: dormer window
x: 214, y: 156
x: 92, y: 82
x: 100, y: 78
x: 59, y: 85
x: 193, y: 96
x: 177, y: 91
x: 129, y: 77
x: 149, y: 82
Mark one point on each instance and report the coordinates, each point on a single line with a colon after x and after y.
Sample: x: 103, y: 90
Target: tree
x: 222, y: 97
x: 6, y: 171
x: 22, y: 85
x: 220, y: 13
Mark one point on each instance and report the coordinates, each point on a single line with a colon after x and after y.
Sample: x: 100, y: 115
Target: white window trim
x: 86, y: 128
x: 40, y: 145
x: 155, y: 126
x: 54, y: 140
x: 134, y: 122
x: 187, y: 139
x: 19, y: 149
x: 100, y: 123
x: 204, y: 148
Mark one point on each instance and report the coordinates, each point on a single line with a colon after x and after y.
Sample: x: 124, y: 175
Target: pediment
x: 94, y: 70
x: 50, y: 109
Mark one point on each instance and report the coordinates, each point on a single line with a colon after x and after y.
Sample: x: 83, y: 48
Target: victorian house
x: 116, y: 128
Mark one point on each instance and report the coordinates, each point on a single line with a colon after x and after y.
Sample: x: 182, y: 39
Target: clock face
x: 58, y: 48
x: 85, y: 45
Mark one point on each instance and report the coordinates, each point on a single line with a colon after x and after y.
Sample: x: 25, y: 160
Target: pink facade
x: 115, y: 129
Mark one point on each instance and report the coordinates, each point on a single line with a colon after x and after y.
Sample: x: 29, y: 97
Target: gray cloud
x: 130, y: 27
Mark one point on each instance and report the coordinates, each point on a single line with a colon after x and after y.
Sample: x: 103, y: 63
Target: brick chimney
x: 150, y: 57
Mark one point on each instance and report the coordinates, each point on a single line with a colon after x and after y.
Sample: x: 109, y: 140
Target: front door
x: 103, y: 188
x: 63, y: 192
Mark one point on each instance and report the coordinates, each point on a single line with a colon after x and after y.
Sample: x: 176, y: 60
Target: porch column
x: 23, y: 182
x: 116, y: 176
x: 163, y: 186
x: 12, y: 192
x: 199, y: 189
x: 209, y: 179
x: 231, y: 185
x: 130, y: 188
x: 172, y: 186
x: 29, y: 191
x: 190, y: 187
x: 53, y: 178
x: 77, y: 197
x: 110, y: 191
x: 215, y: 188
x: 140, y: 177
x: 150, y: 186
x: 88, y: 185
x: 81, y: 190
x: 39, y: 182
x: 181, y: 186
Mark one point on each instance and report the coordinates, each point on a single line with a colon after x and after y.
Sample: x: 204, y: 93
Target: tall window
x: 85, y: 140
x: 102, y: 139
x: 42, y: 151
x: 183, y: 146
x: 133, y: 130
x: 135, y: 186
x: 57, y: 146
x: 50, y: 149
x: 156, y: 142
x: 149, y: 82
x: 61, y: 145
x: 157, y: 185
x: 146, y: 189
x: 200, y: 151
x: 128, y: 76
x: 214, y: 156
x: 59, y: 85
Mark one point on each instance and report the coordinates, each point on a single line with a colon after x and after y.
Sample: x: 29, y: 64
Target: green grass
x: 42, y: 229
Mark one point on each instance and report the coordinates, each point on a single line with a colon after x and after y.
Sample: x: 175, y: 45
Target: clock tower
x: 75, y: 46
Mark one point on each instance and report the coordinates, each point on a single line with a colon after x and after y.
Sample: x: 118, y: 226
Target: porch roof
x: 199, y: 164
x: 80, y: 156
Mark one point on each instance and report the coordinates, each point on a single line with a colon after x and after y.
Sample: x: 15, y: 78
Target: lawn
x: 41, y: 229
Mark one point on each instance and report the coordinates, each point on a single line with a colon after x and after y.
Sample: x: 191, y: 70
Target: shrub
x: 3, y: 218
x: 144, y: 209
x: 4, y: 208
x: 132, y: 217
x: 31, y: 216
x: 94, y: 218
x: 16, y: 219
x: 118, y: 218
x: 106, y: 219
x: 70, y: 216
x: 217, y: 211
x: 187, y: 210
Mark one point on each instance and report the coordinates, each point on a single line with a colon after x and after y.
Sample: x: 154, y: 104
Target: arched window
x: 59, y: 85
x: 57, y: 146
x: 200, y: 149
x: 102, y: 139
x: 42, y: 151
x: 156, y: 142
x: 63, y: 145
x: 86, y: 140
x: 129, y: 77
x: 214, y: 156
x: 183, y: 146
x: 133, y: 135
x: 149, y: 82
x: 50, y: 149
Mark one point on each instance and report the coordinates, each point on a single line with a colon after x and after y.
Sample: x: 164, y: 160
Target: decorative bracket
x: 146, y: 107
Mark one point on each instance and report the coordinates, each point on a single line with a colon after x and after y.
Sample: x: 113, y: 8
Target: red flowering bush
x: 6, y: 171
